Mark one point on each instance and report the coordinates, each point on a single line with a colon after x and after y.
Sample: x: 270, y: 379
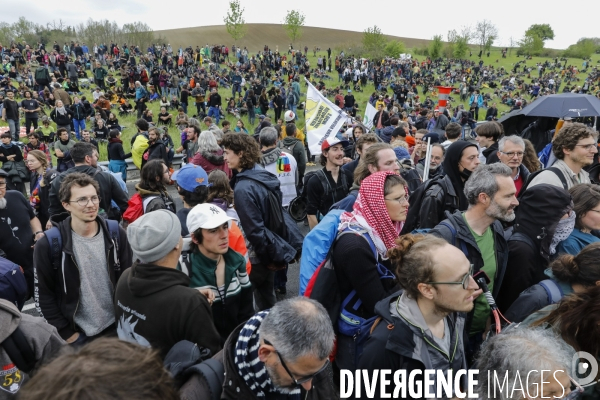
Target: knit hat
x: 401, y: 153
x: 152, y: 236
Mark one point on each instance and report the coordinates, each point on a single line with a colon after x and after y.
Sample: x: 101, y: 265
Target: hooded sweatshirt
x: 155, y: 307
x: 541, y: 208
x: 211, y: 160
x: 41, y: 337
x: 450, y: 164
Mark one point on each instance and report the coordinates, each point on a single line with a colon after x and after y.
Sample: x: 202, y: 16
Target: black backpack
x: 327, y: 189
x: 412, y: 178
x: 19, y: 351
x: 416, y: 198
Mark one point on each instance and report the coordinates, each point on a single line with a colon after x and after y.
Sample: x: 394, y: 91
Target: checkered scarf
x: 250, y: 368
x: 370, y: 214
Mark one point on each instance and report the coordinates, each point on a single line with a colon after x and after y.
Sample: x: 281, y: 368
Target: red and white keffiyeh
x: 370, y: 214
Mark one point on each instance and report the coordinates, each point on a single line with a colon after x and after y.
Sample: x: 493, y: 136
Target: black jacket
x: 57, y: 290
x: 398, y: 344
x: 464, y: 236
x: 385, y: 120
x: 62, y: 119
x: 79, y: 111
x: 438, y: 199
x: 109, y: 190
x: 155, y: 305
x: 266, y: 247
x: 116, y: 152
x: 537, y: 216
x: 491, y: 154
x: 156, y: 151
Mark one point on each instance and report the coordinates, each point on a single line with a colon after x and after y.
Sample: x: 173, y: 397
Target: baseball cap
x: 206, y: 216
x: 190, y: 176
x: 289, y: 116
x: 332, y: 141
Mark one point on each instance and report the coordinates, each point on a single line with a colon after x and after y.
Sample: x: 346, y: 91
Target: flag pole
x: 427, y: 160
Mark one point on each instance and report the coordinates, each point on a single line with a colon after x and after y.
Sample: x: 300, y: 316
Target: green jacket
x: 100, y: 73
x: 236, y: 305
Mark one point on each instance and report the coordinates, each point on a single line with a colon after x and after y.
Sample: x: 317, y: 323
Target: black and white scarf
x: 250, y: 368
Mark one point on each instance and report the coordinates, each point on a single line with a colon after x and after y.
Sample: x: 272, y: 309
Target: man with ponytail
x: 422, y: 325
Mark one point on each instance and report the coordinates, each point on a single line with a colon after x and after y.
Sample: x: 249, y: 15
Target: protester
x: 38, y: 189
x: 328, y: 185
x: 438, y: 153
x: 75, y: 288
x: 488, y: 135
x: 479, y: 234
x: 544, y: 218
x: 361, y: 145
x: 116, y: 154
x: 364, y: 237
x: 36, y: 144
x: 154, y: 178
x: 156, y: 148
x: 221, y: 194
x: 85, y: 157
x: 102, y: 370
x: 523, y: 350
x: 62, y: 116
x: 283, y: 165
x: 510, y: 152
x: 209, y: 155
x: 153, y: 303
x: 568, y: 273
x: 294, y: 146
x: 453, y: 132
x: 429, y: 313
x: 574, y: 147
x: 13, y: 164
x: 268, y: 250
x: 215, y: 265
x: 10, y: 114
x: 62, y: 150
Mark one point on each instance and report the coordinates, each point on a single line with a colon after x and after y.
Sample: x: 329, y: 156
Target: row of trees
x: 236, y: 24
x: 90, y: 32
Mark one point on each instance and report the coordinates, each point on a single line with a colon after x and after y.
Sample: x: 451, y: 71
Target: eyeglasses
x: 3, y: 184
x: 83, y: 201
x: 401, y: 200
x: 464, y: 282
x: 587, y: 147
x: 297, y: 382
x: 511, y: 154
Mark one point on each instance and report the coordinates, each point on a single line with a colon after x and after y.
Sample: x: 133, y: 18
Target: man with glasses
x: 74, y: 286
x: 428, y: 315
x: 510, y: 152
x: 574, y: 146
x: 280, y: 353
x: 479, y: 234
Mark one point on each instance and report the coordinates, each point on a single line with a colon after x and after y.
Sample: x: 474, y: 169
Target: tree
x: 485, y: 33
x: 531, y: 45
x: 234, y: 20
x: 394, y: 48
x: 293, y: 23
x: 584, y: 48
x: 435, y: 47
x: 543, y: 31
x: 461, y: 48
x: 374, y: 42
x: 457, y: 46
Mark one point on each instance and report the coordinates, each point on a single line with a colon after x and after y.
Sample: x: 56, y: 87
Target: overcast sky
x: 416, y: 19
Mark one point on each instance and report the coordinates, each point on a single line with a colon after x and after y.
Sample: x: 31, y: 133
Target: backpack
x: 536, y: 173
x: 416, y: 198
x: 327, y: 189
x: 412, y: 178
x: 136, y: 207
x: 13, y: 286
x: 19, y: 351
x: 41, y: 76
x: 55, y: 243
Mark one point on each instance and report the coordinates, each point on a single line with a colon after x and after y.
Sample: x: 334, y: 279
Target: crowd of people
x: 427, y: 249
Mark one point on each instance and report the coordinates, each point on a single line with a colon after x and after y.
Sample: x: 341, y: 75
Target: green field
x: 361, y: 98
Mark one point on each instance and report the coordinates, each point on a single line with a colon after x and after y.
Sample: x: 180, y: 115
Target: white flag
x: 370, y: 112
x: 323, y: 119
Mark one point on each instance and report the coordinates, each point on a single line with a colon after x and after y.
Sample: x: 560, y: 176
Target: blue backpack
x: 13, y: 286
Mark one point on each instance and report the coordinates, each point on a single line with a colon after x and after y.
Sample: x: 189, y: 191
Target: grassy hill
x: 274, y: 35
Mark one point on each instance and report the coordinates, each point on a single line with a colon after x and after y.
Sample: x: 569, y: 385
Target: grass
x: 362, y: 98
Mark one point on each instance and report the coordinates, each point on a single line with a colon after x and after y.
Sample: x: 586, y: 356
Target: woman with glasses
x: 586, y: 198
x: 360, y: 254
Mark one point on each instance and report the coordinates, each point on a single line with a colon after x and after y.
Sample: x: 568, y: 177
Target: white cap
x: 289, y: 116
x: 206, y: 216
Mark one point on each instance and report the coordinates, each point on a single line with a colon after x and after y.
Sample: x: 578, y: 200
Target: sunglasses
x: 297, y: 382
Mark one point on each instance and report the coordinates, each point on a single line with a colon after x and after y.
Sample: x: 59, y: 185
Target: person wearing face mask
x: 586, y: 198
x: 545, y: 217
x: 444, y: 193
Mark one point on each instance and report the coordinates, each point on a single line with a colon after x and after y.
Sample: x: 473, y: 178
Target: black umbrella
x: 511, y: 114
x: 563, y: 105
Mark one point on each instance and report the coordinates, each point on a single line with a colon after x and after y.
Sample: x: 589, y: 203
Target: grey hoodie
x: 41, y: 336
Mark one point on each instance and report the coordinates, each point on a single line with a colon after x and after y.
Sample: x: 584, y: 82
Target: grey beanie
x: 152, y: 236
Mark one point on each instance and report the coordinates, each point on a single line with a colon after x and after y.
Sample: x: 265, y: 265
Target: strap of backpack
x: 553, y: 290
x: 115, y: 235
x: 521, y: 237
x: 54, y: 245
x: 186, y: 263
x: 19, y: 351
x: 463, y: 245
x: 560, y: 176
x: 213, y: 372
